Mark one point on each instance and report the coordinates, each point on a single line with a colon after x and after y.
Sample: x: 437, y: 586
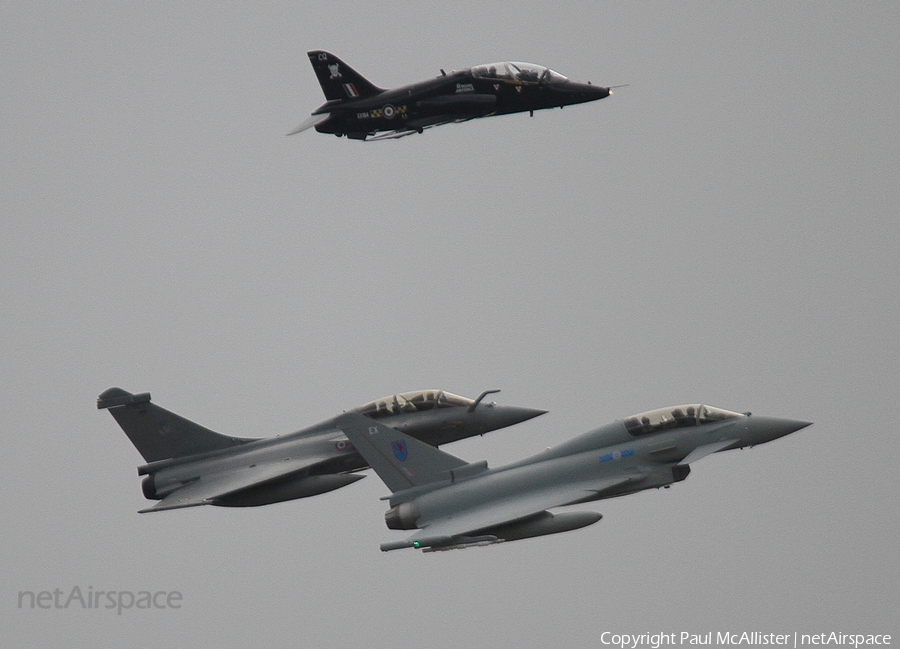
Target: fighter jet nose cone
x: 766, y: 429
x: 502, y: 416
x: 524, y: 414
x: 793, y: 425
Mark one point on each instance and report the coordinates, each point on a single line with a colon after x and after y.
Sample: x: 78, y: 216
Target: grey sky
x: 724, y: 230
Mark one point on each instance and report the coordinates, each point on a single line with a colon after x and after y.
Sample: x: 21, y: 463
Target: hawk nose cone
x: 572, y: 92
x: 599, y: 92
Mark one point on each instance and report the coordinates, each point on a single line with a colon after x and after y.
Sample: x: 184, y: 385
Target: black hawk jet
x: 359, y: 109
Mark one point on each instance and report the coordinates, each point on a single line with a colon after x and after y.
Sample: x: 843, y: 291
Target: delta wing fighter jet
x: 189, y: 465
x: 359, y: 109
x: 456, y: 504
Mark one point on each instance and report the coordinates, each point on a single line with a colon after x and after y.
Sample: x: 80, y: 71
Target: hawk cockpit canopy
x: 413, y: 402
x: 654, y: 421
x: 517, y: 72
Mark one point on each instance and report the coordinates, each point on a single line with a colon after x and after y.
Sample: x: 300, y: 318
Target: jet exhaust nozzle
x: 403, y: 516
x: 148, y: 487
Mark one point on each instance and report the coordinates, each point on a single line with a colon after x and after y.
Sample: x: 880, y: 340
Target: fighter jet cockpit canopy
x: 413, y: 402
x: 517, y: 72
x: 654, y: 421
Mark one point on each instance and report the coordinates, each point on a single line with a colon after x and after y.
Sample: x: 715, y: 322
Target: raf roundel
x: 400, y: 450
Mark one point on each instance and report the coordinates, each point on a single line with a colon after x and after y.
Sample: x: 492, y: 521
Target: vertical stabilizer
x: 338, y: 80
x: 399, y: 460
x: 157, y: 433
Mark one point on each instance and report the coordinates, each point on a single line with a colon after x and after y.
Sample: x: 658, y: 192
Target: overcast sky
x: 723, y: 230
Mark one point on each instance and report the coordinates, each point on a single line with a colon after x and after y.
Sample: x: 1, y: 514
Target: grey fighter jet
x: 457, y: 504
x: 189, y: 465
